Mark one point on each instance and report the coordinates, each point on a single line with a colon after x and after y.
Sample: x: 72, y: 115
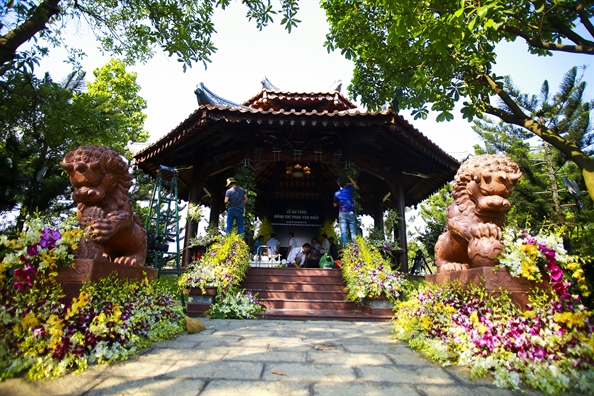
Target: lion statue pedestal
x: 469, y: 248
x: 114, y: 239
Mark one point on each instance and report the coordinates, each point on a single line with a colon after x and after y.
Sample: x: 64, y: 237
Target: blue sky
x: 296, y: 61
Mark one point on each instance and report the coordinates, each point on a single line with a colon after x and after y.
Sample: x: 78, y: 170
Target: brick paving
x: 258, y: 357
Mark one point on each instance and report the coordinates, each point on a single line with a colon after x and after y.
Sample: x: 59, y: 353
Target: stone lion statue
x: 472, y: 235
x: 112, y: 230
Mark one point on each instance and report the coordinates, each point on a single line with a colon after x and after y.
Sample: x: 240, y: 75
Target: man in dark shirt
x: 235, y: 198
x: 343, y: 199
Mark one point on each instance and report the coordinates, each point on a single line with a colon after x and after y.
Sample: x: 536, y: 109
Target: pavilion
x: 298, y: 143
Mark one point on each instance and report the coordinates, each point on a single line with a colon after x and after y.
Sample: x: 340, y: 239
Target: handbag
x: 326, y: 261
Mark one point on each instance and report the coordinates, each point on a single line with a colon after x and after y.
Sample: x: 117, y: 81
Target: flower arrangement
x: 530, y: 257
x: 109, y: 321
x: 44, y: 335
x: 549, y: 346
x: 240, y: 304
x: 224, y: 265
x: 384, y: 245
x: 367, y: 273
x: 265, y: 229
x: 329, y: 228
x: 37, y: 253
x: 194, y: 213
x: 211, y: 235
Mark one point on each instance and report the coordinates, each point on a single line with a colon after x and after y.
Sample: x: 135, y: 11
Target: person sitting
x: 297, y: 257
x: 259, y: 242
x: 315, y: 246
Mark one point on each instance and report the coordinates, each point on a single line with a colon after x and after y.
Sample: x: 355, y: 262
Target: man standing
x: 297, y: 256
x: 292, y: 244
x: 343, y: 199
x: 235, y: 198
x: 325, y: 248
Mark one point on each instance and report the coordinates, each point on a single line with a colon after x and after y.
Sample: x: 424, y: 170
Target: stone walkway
x: 235, y: 357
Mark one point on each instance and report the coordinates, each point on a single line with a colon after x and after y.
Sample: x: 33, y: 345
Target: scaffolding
x: 162, y: 223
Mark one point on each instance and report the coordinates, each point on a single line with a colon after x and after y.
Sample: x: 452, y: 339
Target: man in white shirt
x: 296, y: 257
x: 273, y: 243
x: 325, y: 244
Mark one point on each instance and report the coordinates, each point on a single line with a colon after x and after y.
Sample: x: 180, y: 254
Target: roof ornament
x: 335, y: 86
x: 266, y: 84
x: 206, y: 97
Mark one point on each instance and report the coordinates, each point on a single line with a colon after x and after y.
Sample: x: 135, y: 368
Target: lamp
x: 297, y: 170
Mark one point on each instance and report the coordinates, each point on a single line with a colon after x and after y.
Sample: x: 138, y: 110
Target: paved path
x: 235, y: 357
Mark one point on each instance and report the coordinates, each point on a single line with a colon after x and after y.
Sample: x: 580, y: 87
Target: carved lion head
x: 485, y: 182
x: 95, y: 172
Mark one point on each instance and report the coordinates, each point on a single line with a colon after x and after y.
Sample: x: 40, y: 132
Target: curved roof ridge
x: 206, y: 97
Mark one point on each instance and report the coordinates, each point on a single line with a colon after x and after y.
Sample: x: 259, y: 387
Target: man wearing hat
x: 235, y: 198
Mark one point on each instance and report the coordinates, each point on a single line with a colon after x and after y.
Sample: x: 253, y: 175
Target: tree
x: 536, y: 201
x: 413, y: 54
x: 128, y: 28
x: 433, y: 211
x: 41, y: 120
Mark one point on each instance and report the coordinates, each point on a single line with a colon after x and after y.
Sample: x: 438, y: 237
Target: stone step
x: 309, y: 304
x: 306, y: 287
x: 295, y: 278
x: 319, y: 314
x: 285, y: 294
x: 295, y: 271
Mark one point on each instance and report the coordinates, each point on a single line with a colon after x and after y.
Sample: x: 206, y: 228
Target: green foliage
x: 433, y: 211
x: 430, y: 55
x: 132, y: 29
x: 237, y: 304
x: 41, y: 120
x: 568, y: 114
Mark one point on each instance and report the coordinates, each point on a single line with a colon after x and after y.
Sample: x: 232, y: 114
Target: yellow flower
x: 116, y: 313
x: 570, y: 318
x: 426, y: 323
x: 531, y: 251
x: 29, y: 321
x: 529, y: 314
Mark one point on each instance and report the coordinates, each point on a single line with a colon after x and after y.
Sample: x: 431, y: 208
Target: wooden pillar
x: 216, y: 207
x: 378, y: 214
x: 198, y: 183
x: 397, y: 191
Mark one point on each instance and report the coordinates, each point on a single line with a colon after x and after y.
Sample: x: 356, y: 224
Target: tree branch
x: 566, y: 30
x: 11, y: 41
x: 586, y: 48
x: 584, y: 17
x: 517, y: 117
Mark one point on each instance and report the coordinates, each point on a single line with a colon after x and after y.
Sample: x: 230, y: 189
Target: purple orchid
x: 32, y: 250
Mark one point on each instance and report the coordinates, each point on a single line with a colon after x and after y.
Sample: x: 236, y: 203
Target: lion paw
x: 450, y: 267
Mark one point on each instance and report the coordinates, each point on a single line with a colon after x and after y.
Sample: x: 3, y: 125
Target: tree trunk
x: 11, y: 41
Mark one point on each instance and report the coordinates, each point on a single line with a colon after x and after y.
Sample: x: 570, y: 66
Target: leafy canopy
x: 130, y: 29
x: 41, y: 120
x: 430, y: 54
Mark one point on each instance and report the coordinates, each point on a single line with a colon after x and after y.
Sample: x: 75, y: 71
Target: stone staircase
x: 307, y: 294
